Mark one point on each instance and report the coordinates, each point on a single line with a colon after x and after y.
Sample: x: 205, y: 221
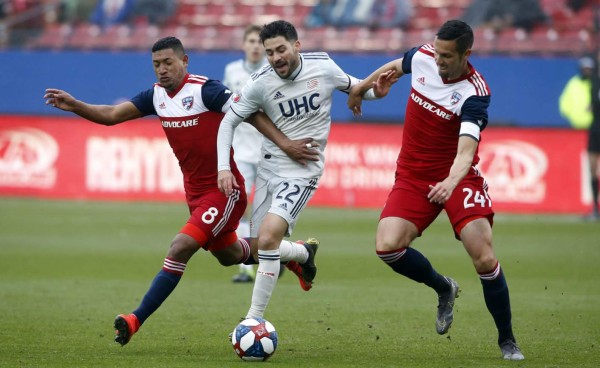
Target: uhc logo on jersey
x: 299, y: 106
x: 188, y: 102
x: 455, y: 98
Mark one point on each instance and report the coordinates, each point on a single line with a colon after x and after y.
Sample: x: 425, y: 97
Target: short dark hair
x: 279, y: 28
x: 169, y: 43
x: 251, y: 29
x: 459, y: 31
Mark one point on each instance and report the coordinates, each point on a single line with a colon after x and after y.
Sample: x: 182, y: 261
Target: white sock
x: 266, y: 279
x: 292, y: 251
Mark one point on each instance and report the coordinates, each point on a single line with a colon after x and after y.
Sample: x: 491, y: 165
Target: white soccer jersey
x: 247, y: 141
x: 299, y: 106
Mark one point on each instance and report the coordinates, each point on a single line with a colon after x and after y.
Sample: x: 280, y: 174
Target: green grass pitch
x: 67, y: 268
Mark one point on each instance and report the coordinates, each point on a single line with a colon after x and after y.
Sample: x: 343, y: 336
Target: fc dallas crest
x: 188, y: 102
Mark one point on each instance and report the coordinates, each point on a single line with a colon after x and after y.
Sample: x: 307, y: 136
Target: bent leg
x: 394, y: 236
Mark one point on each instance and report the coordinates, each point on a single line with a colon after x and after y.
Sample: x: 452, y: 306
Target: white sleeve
x: 343, y: 81
x: 224, y: 139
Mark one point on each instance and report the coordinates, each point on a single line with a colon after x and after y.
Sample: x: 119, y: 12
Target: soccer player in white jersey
x: 247, y: 141
x: 295, y: 92
x: 436, y: 170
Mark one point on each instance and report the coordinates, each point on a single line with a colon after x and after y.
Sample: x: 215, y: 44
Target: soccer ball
x: 254, y: 339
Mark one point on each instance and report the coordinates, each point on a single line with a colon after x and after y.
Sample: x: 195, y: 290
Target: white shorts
x: 248, y: 171
x: 285, y: 197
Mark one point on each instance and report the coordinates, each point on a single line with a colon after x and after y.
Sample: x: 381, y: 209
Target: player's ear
x: 297, y: 45
x: 185, y: 60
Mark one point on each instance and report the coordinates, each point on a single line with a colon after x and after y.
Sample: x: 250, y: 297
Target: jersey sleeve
x: 215, y: 95
x: 407, y: 60
x: 143, y: 101
x: 342, y: 81
x: 249, y: 100
x: 474, y: 110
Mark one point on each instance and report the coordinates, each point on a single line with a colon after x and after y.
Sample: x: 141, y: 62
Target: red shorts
x: 408, y: 200
x: 214, y: 218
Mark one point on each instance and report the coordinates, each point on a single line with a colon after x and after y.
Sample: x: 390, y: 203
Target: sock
x: 266, y: 279
x: 497, y: 300
x: 291, y: 251
x: 162, y: 286
x: 247, y: 258
x: 412, y: 264
x: 594, y: 184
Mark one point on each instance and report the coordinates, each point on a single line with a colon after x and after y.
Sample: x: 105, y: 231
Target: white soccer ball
x: 254, y: 339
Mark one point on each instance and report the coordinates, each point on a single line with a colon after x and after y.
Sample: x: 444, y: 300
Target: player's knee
x: 386, y: 243
x: 485, y: 262
x: 183, y: 248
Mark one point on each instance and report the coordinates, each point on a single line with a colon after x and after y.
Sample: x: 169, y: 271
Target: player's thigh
x: 408, y: 201
x: 470, y: 200
x: 215, y: 218
x: 290, y: 196
x: 271, y: 232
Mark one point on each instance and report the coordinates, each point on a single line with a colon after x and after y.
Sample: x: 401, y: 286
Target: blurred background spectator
x: 111, y: 12
x: 500, y: 14
x: 575, y: 102
x: 75, y: 11
x: 156, y: 12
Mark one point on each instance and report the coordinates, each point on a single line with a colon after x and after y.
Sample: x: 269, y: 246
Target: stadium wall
x: 70, y: 158
x: 525, y: 90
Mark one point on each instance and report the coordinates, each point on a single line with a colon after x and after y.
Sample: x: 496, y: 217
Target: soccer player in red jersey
x: 190, y: 108
x: 437, y: 170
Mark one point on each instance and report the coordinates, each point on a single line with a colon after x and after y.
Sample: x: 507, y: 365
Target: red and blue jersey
x: 435, y: 110
x: 190, y: 117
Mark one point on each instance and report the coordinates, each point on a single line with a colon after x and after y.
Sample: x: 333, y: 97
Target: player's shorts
x: 594, y: 139
x: 285, y: 197
x: 248, y: 171
x: 214, y: 218
x: 408, y: 200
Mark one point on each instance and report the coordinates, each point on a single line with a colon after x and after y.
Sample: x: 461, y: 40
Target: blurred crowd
x: 24, y: 20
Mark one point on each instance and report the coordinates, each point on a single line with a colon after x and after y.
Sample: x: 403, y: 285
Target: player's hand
x: 383, y: 84
x: 59, y: 99
x: 441, y: 192
x: 302, y: 150
x: 355, y: 101
x: 226, y: 182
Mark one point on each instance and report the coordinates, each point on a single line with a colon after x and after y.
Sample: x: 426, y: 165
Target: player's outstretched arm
x: 100, y: 114
x: 393, y: 71
x: 301, y: 150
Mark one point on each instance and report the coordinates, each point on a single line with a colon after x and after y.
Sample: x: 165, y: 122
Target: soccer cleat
x: 125, y: 326
x: 242, y: 277
x: 294, y: 267
x: 309, y: 269
x: 510, y: 350
x: 445, y: 309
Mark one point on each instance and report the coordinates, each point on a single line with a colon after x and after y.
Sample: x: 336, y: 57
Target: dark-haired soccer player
x: 294, y: 90
x: 190, y: 108
x: 436, y: 170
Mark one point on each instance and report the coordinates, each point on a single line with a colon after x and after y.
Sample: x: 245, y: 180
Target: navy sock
x: 412, y: 264
x: 497, y: 300
x: 162, y: 286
